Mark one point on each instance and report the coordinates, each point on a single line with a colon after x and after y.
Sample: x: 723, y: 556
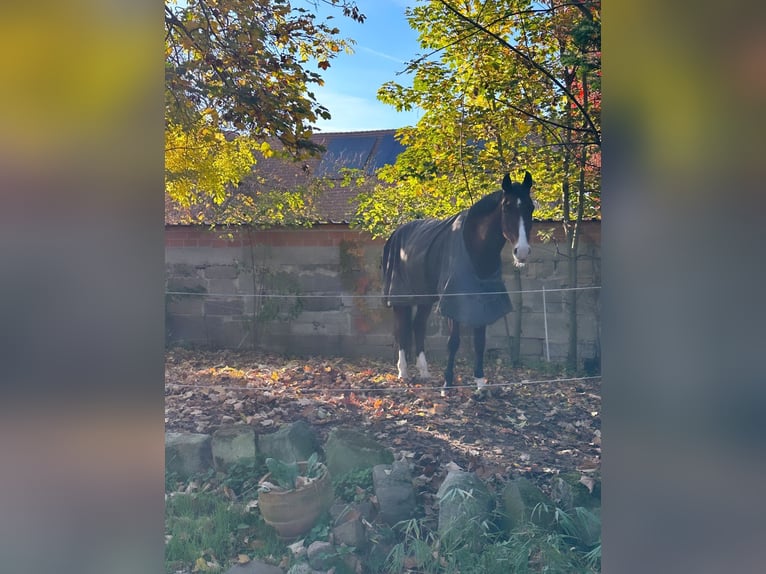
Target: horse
x: 457, y: 263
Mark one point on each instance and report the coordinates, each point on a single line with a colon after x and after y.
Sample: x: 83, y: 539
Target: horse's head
x: 517, y: 208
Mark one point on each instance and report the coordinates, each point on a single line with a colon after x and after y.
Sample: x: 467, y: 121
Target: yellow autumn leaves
x: 205, y: 158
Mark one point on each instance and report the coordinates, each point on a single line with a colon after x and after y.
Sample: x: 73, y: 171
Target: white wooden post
x: 545, y: 322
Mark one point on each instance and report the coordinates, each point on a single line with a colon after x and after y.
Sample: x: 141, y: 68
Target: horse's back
x: 412, y: 260
x: 426, y: 261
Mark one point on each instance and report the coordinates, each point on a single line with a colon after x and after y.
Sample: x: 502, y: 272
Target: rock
x: 187, y: 454
x: 254, y: 567
x: 349, y: 450
x: 378, y: 555
x: 582, y: 506
x: 524, y: 502
x: 394, y: 491
x: 322, y: 555
x: 301, y: 568
x: 348, y: 528
x: 568, y: 492
x: 293, y: 442
x: 297, y: 549
x: 464, y: 504
x: 233, y: 444
x: 353, y: 563
x: 339, y: 509
x: 351, y: 533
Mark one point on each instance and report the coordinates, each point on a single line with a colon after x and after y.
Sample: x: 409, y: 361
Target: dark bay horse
x: 455, y: 262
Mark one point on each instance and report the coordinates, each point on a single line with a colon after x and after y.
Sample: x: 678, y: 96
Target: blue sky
x: 383, y: 44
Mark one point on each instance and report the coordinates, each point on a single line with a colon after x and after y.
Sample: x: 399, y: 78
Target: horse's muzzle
x: 520, y: 254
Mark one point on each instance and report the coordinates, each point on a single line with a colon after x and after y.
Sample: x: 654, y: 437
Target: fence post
x: 545, y: 322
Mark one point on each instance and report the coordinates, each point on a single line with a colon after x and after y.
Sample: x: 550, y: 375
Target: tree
x: 237, y: 75
x: 504, y: 85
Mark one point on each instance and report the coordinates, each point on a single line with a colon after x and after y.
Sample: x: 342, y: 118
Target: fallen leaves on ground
x: 532, y: 429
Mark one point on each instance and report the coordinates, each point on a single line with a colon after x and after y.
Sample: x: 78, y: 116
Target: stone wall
x: 316, y: 292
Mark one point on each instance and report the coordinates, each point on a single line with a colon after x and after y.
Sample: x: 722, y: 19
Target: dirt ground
x: 533, y: 425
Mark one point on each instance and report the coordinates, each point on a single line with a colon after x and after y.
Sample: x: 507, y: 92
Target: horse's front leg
x: 419, y: 329
x: 402, y: 335
x: 453, y: 344
x: 479, y: 343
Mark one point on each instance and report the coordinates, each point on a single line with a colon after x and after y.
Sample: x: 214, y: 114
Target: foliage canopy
x: 238, y: 72
x: 505, y: 85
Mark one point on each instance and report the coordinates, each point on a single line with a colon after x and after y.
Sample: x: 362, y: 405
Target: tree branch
x: 476, y: 30
x: 532, y: 63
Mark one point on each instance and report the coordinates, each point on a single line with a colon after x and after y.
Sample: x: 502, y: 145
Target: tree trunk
x: 518, y: 301
x: 574, y: 243
x: 571, y: 299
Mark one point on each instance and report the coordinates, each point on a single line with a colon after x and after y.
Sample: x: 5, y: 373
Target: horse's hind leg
x: 479, y: 343
x: 403, y: 337
x: 453, y: 344
x: 419, y: 328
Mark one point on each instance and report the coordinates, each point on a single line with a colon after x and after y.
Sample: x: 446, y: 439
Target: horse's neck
x: 484, y: 241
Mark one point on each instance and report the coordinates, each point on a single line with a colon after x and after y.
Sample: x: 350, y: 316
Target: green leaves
x: 286, y: 474
x: 283, y: 473
x: 490, y: 87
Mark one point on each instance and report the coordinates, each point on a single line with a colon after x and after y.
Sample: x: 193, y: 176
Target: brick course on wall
x: 316, y: 291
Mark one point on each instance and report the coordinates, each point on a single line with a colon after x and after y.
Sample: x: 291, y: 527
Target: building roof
x: 364, y: 150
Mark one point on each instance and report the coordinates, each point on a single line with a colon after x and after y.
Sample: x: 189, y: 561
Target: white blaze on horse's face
x: 521, y: 250
x: 518, y: 207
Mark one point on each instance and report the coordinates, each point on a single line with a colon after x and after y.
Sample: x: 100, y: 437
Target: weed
x: 419, y: 549
x: 320, y: 531
x: 242, y: 477
x: 353, y: 486
x: 593, y: 558
x: 287, y: 474
x: 171, y: 481
x: 206, y: 531
x: 474, y: 547
x: 534, y: 549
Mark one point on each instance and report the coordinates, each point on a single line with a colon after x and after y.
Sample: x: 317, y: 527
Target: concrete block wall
x: 316, y: 292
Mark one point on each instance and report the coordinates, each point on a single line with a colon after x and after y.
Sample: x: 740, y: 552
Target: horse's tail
x: 386, y: 269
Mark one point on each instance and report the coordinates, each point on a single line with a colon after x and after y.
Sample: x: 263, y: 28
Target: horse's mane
x: 486, y: 204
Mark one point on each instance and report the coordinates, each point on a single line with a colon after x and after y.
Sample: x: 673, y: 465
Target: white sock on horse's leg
x: 480, y: 382
x: 401, y: 365
x: 422, y: 366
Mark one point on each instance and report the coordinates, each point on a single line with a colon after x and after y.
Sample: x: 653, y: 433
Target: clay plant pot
x: 293, y: 513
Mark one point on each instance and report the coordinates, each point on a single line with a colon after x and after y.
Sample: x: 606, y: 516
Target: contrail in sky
x: 382, y: 55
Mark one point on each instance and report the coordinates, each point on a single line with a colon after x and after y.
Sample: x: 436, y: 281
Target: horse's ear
x: 528, y: 180
x: 507, y: 185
